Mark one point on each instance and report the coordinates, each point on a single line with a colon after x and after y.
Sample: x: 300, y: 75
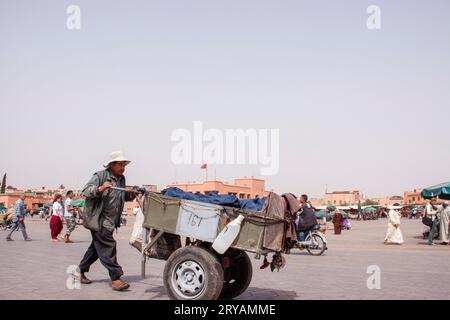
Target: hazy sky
x: 356, y: 108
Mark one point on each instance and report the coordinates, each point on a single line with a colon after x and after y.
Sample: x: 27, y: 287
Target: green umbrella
x: 321, y: 214
x: 331, y: 208
x: 3, y: 208
x: 370, y: 209
x: 77, y: 203
x: 441, y: 190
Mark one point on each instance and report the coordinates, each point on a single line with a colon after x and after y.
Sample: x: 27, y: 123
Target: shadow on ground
x: 254, y: 293
x: 159, y: 291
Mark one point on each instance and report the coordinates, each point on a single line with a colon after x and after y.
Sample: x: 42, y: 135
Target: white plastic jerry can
x: 227, y: 235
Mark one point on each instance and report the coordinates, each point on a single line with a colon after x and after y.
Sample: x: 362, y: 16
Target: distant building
x: 243, y: 188
x: 31, y: 201
x: 413, y: 197
x: 390, y: 201
x: 342, y: 198
x: 316, y: 202
x: 34, y: 197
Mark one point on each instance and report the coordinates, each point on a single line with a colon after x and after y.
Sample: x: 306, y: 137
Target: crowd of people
x: 62, y: 212
x: 436, y: 220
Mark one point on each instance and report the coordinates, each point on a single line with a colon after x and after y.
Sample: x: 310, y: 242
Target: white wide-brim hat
x: 116, y: 156
x: 391, y: 207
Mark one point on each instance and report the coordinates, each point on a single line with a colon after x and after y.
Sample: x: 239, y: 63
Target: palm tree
x: 3, y: 187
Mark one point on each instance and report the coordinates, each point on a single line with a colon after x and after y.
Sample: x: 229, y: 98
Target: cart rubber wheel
x: 237, y: 277
x: 193, y: 273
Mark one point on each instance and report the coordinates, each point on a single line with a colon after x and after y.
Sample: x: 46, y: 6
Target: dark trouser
x: 18, y: 225
x: 432, y: 231
x: 103, y: 246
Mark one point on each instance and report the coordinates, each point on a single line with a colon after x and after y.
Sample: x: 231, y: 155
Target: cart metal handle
x: 138, y: 191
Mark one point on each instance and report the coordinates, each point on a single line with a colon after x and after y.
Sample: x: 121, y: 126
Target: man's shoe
x: 9, y: 239
x: 82, y: 278
x: 119, y: 285
x: 28, y: 239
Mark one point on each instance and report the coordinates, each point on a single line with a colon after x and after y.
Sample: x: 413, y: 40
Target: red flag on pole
x: 204, y: 166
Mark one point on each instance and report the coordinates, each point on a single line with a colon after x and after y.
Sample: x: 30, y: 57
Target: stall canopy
x: 343, y: 213
x: 441, y: 190
x: 77, y: 203
x: 321, y: 214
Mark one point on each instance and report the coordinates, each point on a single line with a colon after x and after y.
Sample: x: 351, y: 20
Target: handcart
x: 195, y: 270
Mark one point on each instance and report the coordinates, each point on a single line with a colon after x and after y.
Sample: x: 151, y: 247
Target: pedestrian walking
x: 393, y: 234
x: 103, y: 207
x: 323, y: 225
x: 56, y: 224
x: 69, y: 216
x: 445, y: 217
x: 18, y: 219
x: 337, y: 222
x: 431, y: 213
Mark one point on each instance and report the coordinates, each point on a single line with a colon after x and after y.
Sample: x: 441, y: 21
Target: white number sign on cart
x: 198, y: 220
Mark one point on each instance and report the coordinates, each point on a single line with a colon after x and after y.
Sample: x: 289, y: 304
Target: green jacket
x: 93, y: 213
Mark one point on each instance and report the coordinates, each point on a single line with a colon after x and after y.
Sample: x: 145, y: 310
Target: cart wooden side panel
x: 161, y: 212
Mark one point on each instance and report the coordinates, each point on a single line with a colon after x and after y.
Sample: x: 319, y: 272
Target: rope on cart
x: 257, y: 222
x: 217, y: 211
x: 160, y: 200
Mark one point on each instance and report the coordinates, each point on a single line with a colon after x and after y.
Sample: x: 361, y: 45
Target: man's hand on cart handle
x: 104, y: 186
x: 130, y: 189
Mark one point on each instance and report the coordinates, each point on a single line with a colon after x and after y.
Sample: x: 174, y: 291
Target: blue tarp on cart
x: 214, y: 198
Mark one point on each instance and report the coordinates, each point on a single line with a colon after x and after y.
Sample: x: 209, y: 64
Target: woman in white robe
x: 393, y: 235
x: 445, y: 217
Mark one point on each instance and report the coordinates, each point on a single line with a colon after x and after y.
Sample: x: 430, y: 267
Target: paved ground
x: 37, y: 269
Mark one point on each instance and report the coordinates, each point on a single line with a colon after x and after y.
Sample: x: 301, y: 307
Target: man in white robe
x: 445, y: 217
x: 393, y: 235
